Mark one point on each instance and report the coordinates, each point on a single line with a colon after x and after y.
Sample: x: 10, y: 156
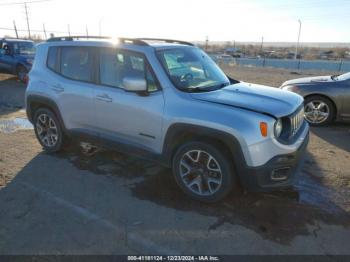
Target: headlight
x: 278, y: 127
x: 290, y: 88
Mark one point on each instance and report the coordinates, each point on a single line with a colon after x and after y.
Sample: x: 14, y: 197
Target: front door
x: 125, y: 116
x: 7, y: 60
x: 346, y: 100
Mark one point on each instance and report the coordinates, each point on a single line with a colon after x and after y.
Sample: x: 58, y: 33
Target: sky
x: 191, y: 20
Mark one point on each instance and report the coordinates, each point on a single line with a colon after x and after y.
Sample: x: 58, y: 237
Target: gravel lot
x: 109, y: 203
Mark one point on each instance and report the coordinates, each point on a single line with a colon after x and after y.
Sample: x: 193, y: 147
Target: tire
x: 46, y: 121
x: 21, y: 73
x: 322, y: 106
x: 199, y: 174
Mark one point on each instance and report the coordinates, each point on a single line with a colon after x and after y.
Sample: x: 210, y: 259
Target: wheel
x: 203, y: 172
x: 22, y: 73
x: 319, y: 111
x: 48, y: 130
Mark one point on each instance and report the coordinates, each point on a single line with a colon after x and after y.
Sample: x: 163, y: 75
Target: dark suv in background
x: 16, y: 56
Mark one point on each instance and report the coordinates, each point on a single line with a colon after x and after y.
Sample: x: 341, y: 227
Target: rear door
x: 71, y: 83
x: 124, y: 116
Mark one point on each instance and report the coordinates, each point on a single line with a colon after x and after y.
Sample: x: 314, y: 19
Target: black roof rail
x: 14, y: 38
x: 123, y: 40
x: 166, y: 41
x: 135, y: 41
x: 71, y: 38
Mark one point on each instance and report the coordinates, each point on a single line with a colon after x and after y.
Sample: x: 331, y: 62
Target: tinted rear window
x: 52, y: 62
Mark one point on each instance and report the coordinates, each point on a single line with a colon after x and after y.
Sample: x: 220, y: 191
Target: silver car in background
x: 327, y: 98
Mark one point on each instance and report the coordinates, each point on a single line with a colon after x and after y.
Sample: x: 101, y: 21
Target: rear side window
x: 52, y: 61
x: 77, y: 63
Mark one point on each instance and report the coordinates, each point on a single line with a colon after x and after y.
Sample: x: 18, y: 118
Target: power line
x: 37, y: 30
x: 24, y: 2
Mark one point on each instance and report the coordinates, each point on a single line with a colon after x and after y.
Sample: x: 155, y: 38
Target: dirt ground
x: 109, y: 203
x: 268, y: 76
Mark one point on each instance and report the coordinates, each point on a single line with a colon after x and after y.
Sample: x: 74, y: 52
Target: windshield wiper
x: 214, y: 87
x: 205, y: 88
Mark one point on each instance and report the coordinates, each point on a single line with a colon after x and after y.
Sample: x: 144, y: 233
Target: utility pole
x: 297, y: 46
x: 44, y: 31
x: 262, y: 43
x: 26, y: 11
x: 234, y: 43
x: 68, y: 29
x: 206, y: 43
x: 87, y: 31
x: 99, y: 26
x: 14, y: 26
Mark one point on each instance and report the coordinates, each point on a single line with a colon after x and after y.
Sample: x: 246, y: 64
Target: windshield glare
x: 24, y: 48
x: 343, y: 77
x: 192, y: 69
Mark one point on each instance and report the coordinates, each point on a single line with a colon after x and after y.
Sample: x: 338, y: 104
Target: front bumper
x: 277, y: 173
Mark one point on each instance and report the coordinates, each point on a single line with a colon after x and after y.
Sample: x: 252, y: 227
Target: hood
x: 308, y: 80
x: 263, y: 99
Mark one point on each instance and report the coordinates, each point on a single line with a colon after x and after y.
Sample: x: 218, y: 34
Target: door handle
x: 104, y: 97
x: 57, y: 88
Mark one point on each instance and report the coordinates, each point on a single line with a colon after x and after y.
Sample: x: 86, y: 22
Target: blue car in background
x: 16, y: 56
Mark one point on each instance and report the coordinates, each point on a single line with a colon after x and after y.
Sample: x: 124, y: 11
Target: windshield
x: 343, y: 77
x: 192, y: 69
x: 24, y: 48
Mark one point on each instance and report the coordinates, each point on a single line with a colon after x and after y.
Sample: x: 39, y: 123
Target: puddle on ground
x: 12, y: 125
x: 278, y: 216
x: 85, y: 156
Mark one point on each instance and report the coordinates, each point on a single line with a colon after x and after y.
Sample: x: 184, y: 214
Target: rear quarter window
x: 52, y: 59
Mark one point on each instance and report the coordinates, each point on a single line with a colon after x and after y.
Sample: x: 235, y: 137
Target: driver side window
x: 115, y: 65
x: 7, y: 48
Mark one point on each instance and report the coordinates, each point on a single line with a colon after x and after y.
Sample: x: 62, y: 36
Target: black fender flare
x: 42, y: 101
x: 176, y: 131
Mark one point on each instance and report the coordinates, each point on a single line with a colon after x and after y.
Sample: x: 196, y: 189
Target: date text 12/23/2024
x: 173, y: 258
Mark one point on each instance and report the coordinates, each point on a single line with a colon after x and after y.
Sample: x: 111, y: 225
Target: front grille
x: 296, y: 121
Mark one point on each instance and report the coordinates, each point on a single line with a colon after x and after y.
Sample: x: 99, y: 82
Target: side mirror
x: 134, y: 84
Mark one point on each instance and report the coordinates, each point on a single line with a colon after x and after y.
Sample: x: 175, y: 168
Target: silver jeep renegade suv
x: 168, y: 101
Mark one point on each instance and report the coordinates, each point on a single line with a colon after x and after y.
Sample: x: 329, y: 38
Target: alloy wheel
x: 200, y: 172
x: 47, y: 130
x: 316, y: 111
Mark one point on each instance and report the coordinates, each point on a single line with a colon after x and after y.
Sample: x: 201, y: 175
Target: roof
x: 153, y: 42
x: 15, y: 40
